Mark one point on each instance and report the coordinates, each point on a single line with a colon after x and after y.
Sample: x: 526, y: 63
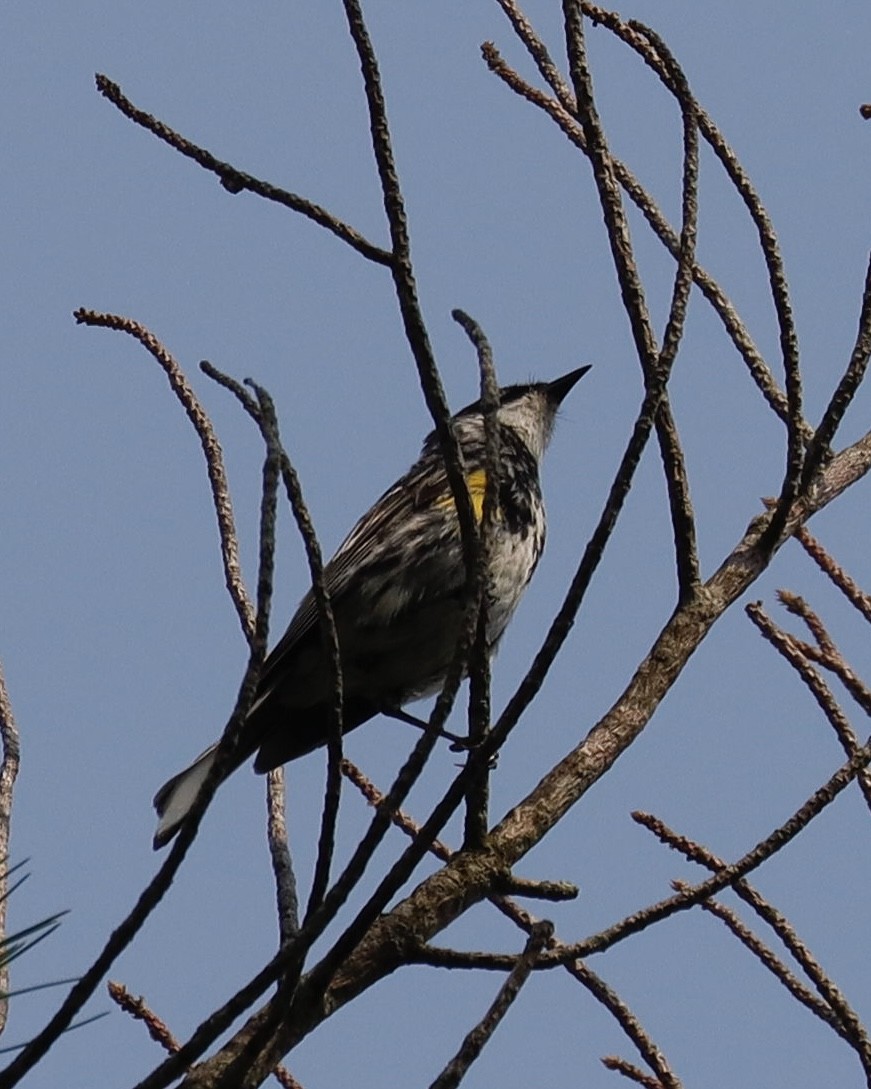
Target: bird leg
x: 458, y: 744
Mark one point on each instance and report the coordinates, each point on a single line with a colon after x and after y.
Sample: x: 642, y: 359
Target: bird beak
x: 559, y: 388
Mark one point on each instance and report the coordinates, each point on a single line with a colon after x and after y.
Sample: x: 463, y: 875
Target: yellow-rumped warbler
x: 397, y: 586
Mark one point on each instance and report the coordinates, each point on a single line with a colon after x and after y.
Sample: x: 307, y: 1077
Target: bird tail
x: 174, y: 799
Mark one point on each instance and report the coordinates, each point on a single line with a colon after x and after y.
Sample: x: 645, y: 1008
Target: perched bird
x: 397, y: 587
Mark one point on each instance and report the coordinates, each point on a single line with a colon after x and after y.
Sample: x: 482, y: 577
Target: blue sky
x: 120, y: 647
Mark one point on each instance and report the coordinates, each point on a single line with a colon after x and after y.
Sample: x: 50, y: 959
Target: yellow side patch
x: 476, y: 482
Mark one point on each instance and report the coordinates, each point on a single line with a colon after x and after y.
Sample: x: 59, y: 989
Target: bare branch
x: 523, y: 919
x: 835, y: 572
x: 826, y: 653
x: 683, y: 521
x: 287, y: 899
x: 211, y: 449
x: 642, y: 40
x: 398, y: 817
x: 539, y: 53
x: 404, y: 279
x: 555, y: 891
x: 656, y: 365
x: 330, y: 643
x: 228, y: 746
x: 479, y: 662
x: 614, y: 1004
x: 563, y: 115
x: 599, y: 155
x: 474, y: 1042
x: 262, y: 411
x: 778, y: 969
x: 235, y: 181
x: 847, y: 1024
x: 620, y: 1066
x: 9, y: 764
x: 847, y: 387
x: 160, y: 1033
x: 754, y: 858
x: 791, y: 649
x: 141, y: 1011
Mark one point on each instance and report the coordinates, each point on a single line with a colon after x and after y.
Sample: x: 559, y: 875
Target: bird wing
x: 423, y: 491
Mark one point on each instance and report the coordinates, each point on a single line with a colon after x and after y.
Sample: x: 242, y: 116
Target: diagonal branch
x: 442, y: 898
x: 211, y: 449
x: 236, y: 181
x: 683, y: 521
x: 665, y: 1078
x: 656, y: 365
x: 617, y: 227
x: 404, y: 280
x: 843, y: 396
x: 474, y: 1042
x: 791, y: 649
x: 11, y: 747
x: 479, y: 663
x: 831, y: 1007
x: 563, y: 115
x: 469, y: 877
x: 839, y: 577
x: 641, y: 39
x: 153, y: 893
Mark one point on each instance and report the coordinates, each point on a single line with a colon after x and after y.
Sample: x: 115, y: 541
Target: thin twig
x: 680, y: 504
x: 796, y: 605
x: 631, y: 1072
x: 477, y: 798
x: 139, y: 1009
x: 850, y: 1027
x: 211, y: 449
x: 151, y: 896
x: 538, y: 51
x: 404, y: 280
x: 829, y: 566
x: 475, y: 1040
x: 398, y: 817
x: 616, y: 223
x: 564, y: 117
x: 504, y: 887
x: 330, y: 644
x: 773, y: 963
x: 626, y: 1019
x: 791, y: 649
x: 842, y: 398
x: 261, y: 411
x: 287, y: 899
x: 439, y: 957
x: 11, y: 744
x: 235, y: 181
x: 642, y: 40
x: 656, y: 366
x: 555, y: 891
x: 825, y: 653
x: 282, y: 865
x: 158, y: 1030
x: 695, y: 894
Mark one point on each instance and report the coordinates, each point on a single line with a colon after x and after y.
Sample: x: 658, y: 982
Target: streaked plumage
x: 397, y: 586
